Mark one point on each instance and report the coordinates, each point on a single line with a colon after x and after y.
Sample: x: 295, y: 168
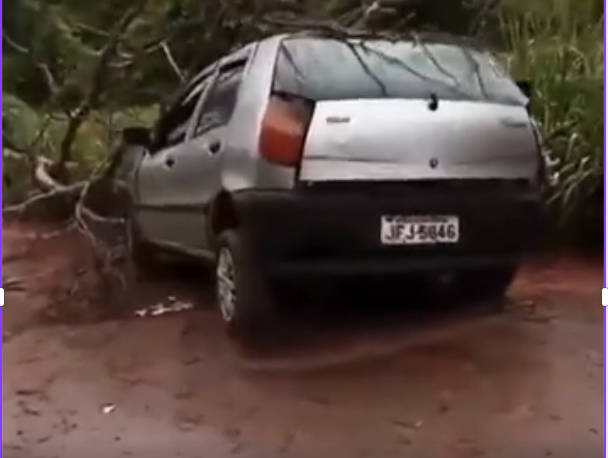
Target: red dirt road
x: 525, y: 383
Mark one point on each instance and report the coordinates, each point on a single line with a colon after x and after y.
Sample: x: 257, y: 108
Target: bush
x: 559, y: 45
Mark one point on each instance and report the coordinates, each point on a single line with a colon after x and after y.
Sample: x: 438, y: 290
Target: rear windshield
x: 328, y: 69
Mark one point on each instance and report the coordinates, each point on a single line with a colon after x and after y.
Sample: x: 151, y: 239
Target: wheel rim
x: 226, y: 285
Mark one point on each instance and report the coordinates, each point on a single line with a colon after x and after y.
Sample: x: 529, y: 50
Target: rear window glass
x: 328, y: 69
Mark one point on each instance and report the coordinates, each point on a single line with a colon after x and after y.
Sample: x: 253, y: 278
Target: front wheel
x: 242, y: 292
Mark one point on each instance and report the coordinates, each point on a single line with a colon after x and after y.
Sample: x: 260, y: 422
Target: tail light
x: 284, y: 129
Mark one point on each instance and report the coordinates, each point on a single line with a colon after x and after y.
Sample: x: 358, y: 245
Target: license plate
x: 420, y: 230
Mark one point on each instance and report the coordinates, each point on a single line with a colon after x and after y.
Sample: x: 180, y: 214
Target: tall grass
x: 559, y: 46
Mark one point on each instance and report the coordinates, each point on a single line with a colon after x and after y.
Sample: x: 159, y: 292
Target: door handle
x: 214, y: 147
x: 169, y: 161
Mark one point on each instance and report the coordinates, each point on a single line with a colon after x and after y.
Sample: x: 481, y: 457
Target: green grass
x: 559, y: 46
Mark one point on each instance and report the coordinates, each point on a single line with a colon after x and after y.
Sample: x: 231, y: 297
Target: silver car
x: 309, y: 155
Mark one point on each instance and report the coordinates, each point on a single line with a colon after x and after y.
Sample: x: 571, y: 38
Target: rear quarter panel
x: 242, y: 167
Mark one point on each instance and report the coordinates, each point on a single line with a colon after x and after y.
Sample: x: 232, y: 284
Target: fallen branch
x: 92, y: 208
x: 43, y: 178
x: 55, y: 204
x: 105, y: 257
x: 172, y: 62
x: 94, y: 94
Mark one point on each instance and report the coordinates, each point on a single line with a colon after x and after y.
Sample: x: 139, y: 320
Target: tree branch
x: 96, y: 88
x: 13, y: 44
x: 50, y: 79
x: 172, y: 63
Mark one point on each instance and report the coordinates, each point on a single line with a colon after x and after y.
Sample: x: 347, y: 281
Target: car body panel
x: 172, y: 201
x: 334, y: 228
x: 243, y: 168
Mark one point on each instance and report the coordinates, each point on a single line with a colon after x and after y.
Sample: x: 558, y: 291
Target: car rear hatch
x: 392, y: 139
x: 374, y: 110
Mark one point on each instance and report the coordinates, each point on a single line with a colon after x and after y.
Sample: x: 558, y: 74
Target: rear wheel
x: 242, y: 292
x: 487, y: 285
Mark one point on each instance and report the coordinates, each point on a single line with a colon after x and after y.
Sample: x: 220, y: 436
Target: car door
x: 197, y: 169
x: 159, y: 215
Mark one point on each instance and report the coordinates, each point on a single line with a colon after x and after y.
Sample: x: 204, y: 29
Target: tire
x: 242, y: 292
x: 487, y: 285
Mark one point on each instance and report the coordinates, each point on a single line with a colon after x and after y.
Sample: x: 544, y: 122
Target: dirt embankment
x: 86, y: 377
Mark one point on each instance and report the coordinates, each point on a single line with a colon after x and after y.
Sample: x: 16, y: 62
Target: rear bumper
x: 336, y: 231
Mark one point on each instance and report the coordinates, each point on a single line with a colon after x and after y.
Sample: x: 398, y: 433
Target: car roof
x: 422, y: 37
x: 240, y: 52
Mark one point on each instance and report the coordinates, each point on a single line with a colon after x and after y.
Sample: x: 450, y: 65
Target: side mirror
x: 526, y: 88
x: 137, y: 136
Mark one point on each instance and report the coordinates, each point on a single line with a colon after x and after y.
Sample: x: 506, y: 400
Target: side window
x: 219, y: 105
x: 174, y: 125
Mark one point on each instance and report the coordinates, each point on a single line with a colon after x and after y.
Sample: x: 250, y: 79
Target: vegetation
x: 75, y: 72
x: 559, y: 45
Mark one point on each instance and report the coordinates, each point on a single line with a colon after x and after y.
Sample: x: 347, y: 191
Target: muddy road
x: 364, y: 381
